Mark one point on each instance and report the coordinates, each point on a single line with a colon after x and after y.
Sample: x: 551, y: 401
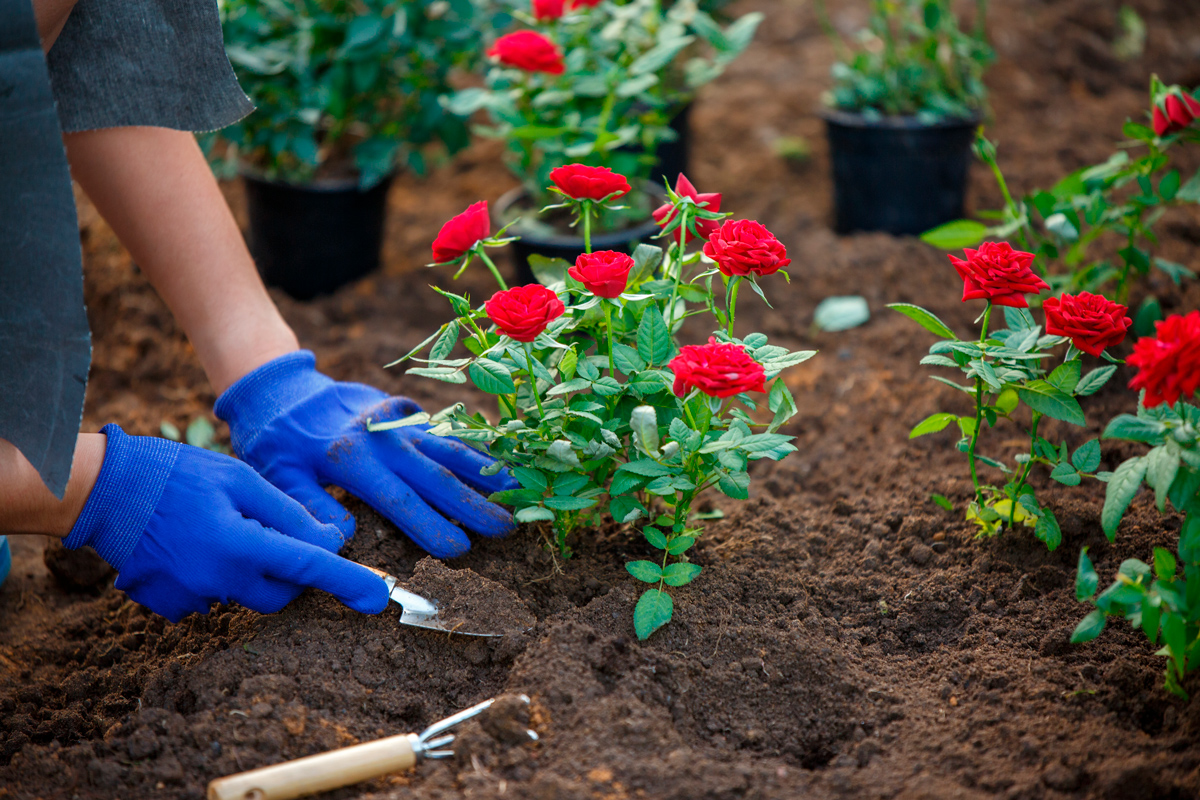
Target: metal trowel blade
x: 418, y: 611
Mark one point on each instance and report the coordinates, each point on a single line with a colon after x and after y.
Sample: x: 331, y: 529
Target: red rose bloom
x: 585, y: 3
x: 1169, y: 362
x: 745, y: 247
x: 1175, y: 113
x: 604, y: 273
x: 998, y: 273
x: 547, y: 9
x: 528, y: 50
x: 1091, y: 321
x: 589, y: 183
x: 665, y: 213
x: 524, y: 311
x: 461, y: 233
x: 718, y: 370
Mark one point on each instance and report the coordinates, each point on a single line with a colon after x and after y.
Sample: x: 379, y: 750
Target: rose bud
x: 523, y: 312
x: 716, y: 369
x: 1169, y: 362
x: 1174, y: 111
x: 528, y: 50
x: 998, y: 273
x: 683, y: 187
x: 544, y: 10
x: 745, y: 247
x: 1091, y: 321
x: 582, y: 182
x: 461, y: 233
x: 604, y: 273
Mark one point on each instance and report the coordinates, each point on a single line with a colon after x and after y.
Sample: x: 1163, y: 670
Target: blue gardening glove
x: 302, y: 430
x: 186, y: 528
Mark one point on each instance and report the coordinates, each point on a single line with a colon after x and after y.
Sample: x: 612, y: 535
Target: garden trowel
x: 422, y: 612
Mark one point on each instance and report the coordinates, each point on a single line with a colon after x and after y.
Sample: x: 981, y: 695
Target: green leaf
x: 199, y: 433
x: 447, y: 374
x: 569, y: 503
x: 841, y: 313
x: 1065, y: 377
x: 445, y: 343
x: 1164, y: 564
x: 169, y: 431
x: 1168, y: 187
x: 625, y: 482
x: 627, y: 359
x: 1090, y: 384
x: 1190, y: 191
x: 680, y: 544
x: 956, y: 235
x: 548, y: 271
x: 646, y: 467
x: 1047, y: 529
x: 1089, y: 627
x: 925, y: 319
x: 653, y: 339
x: 646, y: 258
x: 1049, y: 400
x: 1162, y: 464
x: 491, y: 376
x: 534, y: 514
x: 1122, y: 486
x: 1018, y: 319
x: 1135, y: 429
x: 1087, y: 457
x: 531, y: 478
x: 932, y: 424
x: 1086, y: 579
x: 626, y: 509
x: 1151, y: 614
x: 942, y: 501
x: 680, y: 573
x: 1176, y: 271
x: 735, y: 485
x: 364, y: 29
x: 1065, y: 474
x: 1175, y: 637
x: 645, y: 571
x: 659, y: 56
x: 653, y: 610
x: 655, y: 537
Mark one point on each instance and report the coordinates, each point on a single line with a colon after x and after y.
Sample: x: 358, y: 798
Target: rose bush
x: 1005, y: 369
x: 601, y: 413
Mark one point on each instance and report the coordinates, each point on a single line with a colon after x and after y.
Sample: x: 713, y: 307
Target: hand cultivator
x: 349, y: 765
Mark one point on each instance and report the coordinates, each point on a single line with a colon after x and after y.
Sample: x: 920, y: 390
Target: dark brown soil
x: 847, y: 638
x: 469, y: 602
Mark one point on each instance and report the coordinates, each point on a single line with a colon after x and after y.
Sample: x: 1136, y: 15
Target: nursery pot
x: 311, y: 239
x: 897, y: 174
x: 565, y: 245
x: 673, y: 155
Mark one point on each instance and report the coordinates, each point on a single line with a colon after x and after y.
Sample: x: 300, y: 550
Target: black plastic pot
x: 311, y: 239
x: 557, y: 245
x: 897, y: 174
x: 673, y: 155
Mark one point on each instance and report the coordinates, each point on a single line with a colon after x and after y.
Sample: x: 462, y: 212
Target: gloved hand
x: 302, y: 430
x: 186, y: 528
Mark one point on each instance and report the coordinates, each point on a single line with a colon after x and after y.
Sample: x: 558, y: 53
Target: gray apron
x: 116, y: 63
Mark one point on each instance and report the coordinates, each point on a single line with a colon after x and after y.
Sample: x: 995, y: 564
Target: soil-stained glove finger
x: 305, y: 489
x: 303, y: 565
x: 440, y: 488
x: 397, y: 501
x: 465, y: 462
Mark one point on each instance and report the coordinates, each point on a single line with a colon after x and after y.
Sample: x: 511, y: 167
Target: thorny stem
x: 612, y: 371
x: 533, y: 379
x: 495, y: 272
x: 987, y: 313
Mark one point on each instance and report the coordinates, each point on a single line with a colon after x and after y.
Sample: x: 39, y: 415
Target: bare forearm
x: 51, y: 15
x: 153, y: 186
x: 27, y: 506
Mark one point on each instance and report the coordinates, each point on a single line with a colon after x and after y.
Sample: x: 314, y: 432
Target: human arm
x: 27, y: 506
x: 51, y: 15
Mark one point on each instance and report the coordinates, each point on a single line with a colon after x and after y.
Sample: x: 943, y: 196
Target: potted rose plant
x: 901, y: 115
x: 597, y: 84
x: 345, y: 95
x: 602, y: 414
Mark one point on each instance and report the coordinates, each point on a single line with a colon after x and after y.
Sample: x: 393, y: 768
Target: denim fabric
x: 44, y: 343
x: 144, y: 62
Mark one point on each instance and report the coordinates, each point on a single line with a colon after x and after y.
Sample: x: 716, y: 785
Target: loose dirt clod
x: 468, y: 600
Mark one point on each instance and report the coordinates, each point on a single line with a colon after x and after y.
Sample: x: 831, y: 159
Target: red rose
x: 524, y: 311
x: 1175, y: 112
x: 1169, y: 362
x: 585, y: 3
x: 461, y: 233
x: 528, y: 50
x: 547, y: 9
x: 1091, y: 321
x: 604, y: 273
x: 718, y: 370
x: 998, y: 273
x: 683, y: 187
x: 745, y: 247
x: 589, y: 183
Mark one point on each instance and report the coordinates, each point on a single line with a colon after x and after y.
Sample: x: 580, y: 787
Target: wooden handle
x: 318, y: 773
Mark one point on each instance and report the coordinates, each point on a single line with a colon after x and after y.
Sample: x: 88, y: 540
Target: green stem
x: 987, y: 313
x: 1025, y: 471
x: 612, y: 370
x: 533, y: 379
x: 495, y: 272
x: 731, y: 302
x: 670, y: 315
x: 587, y: 226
